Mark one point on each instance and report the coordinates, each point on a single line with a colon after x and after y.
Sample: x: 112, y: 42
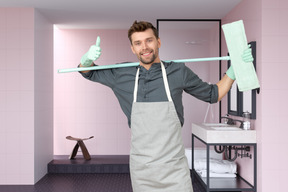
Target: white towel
x: 216, y: 166
x: 203, y: 173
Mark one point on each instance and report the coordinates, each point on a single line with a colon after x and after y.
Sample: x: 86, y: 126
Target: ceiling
x: 120, y: 14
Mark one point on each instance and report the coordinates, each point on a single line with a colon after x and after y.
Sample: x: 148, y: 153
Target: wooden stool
x: 82, y: 146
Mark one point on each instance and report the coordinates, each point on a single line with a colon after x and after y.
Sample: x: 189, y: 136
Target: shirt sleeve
x: 193, y: 85
x: 105, y: 77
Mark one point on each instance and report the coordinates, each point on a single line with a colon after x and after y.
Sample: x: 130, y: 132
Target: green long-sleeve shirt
x: 151, y: 86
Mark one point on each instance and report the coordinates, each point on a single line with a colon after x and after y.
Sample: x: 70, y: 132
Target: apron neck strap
x: 166, y: 85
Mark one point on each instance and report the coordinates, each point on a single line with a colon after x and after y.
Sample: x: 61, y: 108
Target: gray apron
x: 157, y: 157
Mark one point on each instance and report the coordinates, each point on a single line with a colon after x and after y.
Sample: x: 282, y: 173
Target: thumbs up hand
x: 92, y: 55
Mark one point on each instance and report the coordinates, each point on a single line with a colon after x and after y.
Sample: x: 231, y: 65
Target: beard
x: 149, y: 60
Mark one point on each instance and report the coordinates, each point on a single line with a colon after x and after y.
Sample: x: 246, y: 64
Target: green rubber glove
x: 230, y: 73
x: 246, y: 57
x: 92, y: 55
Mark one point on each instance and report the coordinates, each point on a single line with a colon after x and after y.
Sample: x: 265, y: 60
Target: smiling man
x: 146, y: 47
x: 150, y: 95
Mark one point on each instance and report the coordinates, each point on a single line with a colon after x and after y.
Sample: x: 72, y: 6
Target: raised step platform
x: 97, y: 164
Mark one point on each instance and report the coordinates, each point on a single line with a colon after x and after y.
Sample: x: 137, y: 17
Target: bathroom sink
x: 223, y: 133
x: 216, y: 124
x: 227, y: 128
x: 222, y: 126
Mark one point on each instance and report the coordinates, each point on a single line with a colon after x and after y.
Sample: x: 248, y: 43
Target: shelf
x: 225, y: 184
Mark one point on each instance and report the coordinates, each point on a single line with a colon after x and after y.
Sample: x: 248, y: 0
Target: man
x: 151, y: 97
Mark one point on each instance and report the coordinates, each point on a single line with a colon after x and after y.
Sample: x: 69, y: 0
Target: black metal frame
x: 240, y: 97
x: 220, y: 41
x: 238, y: 181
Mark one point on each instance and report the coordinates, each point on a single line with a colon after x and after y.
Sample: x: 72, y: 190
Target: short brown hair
x: 140, y: 27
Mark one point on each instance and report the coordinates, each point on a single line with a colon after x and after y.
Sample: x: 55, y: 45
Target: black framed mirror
x: 239, y: 102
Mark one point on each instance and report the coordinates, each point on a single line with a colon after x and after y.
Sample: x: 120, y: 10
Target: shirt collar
x: 154, y: 67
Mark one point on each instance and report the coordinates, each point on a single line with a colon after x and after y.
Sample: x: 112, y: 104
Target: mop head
x: 236, y: 43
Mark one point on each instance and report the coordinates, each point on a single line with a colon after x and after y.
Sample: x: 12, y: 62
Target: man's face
x: 145, y: 46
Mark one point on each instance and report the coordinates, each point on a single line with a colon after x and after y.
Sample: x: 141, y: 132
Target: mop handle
x: 137, y: 63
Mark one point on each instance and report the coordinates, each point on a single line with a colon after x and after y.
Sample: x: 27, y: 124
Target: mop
x: 137, y: 64
x: 236, y: 43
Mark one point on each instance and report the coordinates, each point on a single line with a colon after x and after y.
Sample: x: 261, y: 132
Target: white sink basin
x: 216, y: 124
x: 223, y: 133
x: 222, y: 127
x: 227, y: 128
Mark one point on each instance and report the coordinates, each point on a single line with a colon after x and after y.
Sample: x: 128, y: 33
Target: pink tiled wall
x: 26, y: 87
x: 16, y: 96
x: 275, y: 90
x: 43, y: 95
x: 265, y: 22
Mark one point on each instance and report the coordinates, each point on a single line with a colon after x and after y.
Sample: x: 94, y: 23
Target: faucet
x: 233, y: 121
x: 230, y: 121
x: 241, y: 123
